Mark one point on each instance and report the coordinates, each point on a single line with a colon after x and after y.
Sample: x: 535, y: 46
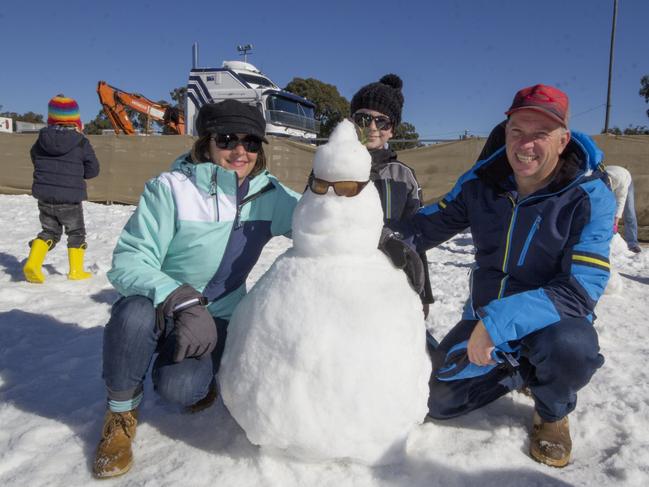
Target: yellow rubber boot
x: 75, y: 257
x: 32, y: 268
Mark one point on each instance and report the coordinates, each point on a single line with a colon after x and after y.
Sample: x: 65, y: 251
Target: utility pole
x: 610, y: 68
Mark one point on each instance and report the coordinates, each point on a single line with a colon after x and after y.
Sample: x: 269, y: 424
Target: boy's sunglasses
x: 341, y: 188
x: 365, y: 119
x: 229, y: 141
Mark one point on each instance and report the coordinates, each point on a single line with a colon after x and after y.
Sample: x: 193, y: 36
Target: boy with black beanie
x: 376, y: 107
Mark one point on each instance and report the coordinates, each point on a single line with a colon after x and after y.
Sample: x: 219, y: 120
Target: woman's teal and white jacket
x: 194, y: 225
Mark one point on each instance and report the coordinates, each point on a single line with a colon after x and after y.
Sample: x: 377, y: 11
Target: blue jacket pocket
x: 528, y: 240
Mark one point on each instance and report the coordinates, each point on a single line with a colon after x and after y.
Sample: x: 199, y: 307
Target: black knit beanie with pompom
x: 384, y: 96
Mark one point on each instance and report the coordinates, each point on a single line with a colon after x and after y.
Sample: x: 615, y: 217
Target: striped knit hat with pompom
x: 62, y: 110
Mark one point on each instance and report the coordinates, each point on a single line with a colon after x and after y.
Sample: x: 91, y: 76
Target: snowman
x: 326, y: 357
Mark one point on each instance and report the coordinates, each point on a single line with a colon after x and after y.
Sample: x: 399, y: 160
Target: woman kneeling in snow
x: 181, y: 265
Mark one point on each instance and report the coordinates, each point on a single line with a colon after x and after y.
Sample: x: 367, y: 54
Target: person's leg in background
x: 71, y: 216
x: 631, y: 222
x: 45, y: 241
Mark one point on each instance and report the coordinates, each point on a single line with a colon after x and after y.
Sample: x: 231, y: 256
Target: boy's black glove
x: 403, y: 257
x: 194, y: 327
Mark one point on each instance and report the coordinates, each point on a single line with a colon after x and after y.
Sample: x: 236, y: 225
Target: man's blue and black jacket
x: 540, y: 258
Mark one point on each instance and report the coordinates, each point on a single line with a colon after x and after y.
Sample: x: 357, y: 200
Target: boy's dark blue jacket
x: 400, y: 198
x: 540, y: 258
x: 63, y: 159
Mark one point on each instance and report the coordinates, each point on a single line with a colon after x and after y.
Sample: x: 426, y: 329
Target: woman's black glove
x: 194, y: 327
x: 403, y: 257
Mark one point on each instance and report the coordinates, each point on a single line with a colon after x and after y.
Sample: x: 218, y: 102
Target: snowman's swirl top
x: 332, y: 225
x: 343, y: 157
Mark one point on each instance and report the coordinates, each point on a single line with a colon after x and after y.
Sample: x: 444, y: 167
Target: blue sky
x: 461, y: 61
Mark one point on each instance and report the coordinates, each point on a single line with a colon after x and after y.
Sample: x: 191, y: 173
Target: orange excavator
x: 116, y: 101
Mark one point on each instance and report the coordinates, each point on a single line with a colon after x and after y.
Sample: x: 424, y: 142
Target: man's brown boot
x: 114, y: 455
x: 550, y: 442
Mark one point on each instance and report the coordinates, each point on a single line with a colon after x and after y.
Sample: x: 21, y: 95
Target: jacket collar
x: 577, y: 160
x: 209, y: 177
x: 380, y: 157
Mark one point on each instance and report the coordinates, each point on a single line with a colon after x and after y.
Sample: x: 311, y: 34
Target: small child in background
x: 63, y: 159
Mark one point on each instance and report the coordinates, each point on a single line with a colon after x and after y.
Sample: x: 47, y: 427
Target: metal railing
x: 418, y: 142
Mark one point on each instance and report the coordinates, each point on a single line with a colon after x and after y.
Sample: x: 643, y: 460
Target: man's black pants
x: 555, y: 363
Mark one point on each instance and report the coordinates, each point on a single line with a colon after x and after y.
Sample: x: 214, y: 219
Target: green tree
x: 139, y: 120
x: 99, y: 123
x: 29, y: 117
x: 330, y: 106
x: 630, y: 130
x: 614, y: 131
x: 179, y: 96
x: 146, y: 125
x: 405, y: 131
x: 637, y: 130
x: 644, y: 89
x: 177, y: 109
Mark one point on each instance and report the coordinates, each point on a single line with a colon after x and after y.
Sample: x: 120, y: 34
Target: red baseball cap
x: 542, y: 98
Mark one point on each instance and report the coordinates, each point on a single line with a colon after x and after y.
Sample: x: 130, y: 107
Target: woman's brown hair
x: 201, y: 149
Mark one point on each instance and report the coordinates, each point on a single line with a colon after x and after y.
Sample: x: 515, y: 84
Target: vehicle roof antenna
x: 243, y: 51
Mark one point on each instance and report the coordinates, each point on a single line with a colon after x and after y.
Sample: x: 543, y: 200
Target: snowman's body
x: 326, y: 357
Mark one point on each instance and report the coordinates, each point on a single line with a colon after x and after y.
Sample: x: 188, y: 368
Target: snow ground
x: 52, y: 399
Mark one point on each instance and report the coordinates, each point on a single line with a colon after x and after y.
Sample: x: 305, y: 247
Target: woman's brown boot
x: 114, y: 454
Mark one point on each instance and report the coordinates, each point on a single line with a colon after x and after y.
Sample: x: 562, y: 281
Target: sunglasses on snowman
x: 341, y: 188
x: 364, y: 120
x: 230, y: 141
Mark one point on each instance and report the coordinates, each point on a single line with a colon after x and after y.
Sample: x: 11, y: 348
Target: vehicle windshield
x: 291, y: 113
x: 282, y: 104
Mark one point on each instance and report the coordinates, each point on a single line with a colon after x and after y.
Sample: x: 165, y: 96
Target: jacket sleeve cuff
x: 162, y: 292
x: 491, y: 327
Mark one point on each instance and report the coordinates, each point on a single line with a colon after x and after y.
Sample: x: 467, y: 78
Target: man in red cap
x: 540, y: 213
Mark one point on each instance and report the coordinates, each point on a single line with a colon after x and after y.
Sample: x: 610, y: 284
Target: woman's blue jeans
x: 132, y: 338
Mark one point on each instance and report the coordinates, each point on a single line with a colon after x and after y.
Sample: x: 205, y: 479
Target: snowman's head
x: 343, y: 157
x: 340, y: 212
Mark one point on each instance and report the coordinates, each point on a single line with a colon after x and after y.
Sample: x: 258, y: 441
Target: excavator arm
x: 115, y: 101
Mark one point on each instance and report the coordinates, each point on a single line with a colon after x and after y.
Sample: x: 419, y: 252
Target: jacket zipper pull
x: 238, y: 214
x: 213, y: 193
x: 213, y: 183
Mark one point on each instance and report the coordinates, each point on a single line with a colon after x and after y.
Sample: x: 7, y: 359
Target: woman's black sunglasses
x: 365, y: 119
x: 229, y: 141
